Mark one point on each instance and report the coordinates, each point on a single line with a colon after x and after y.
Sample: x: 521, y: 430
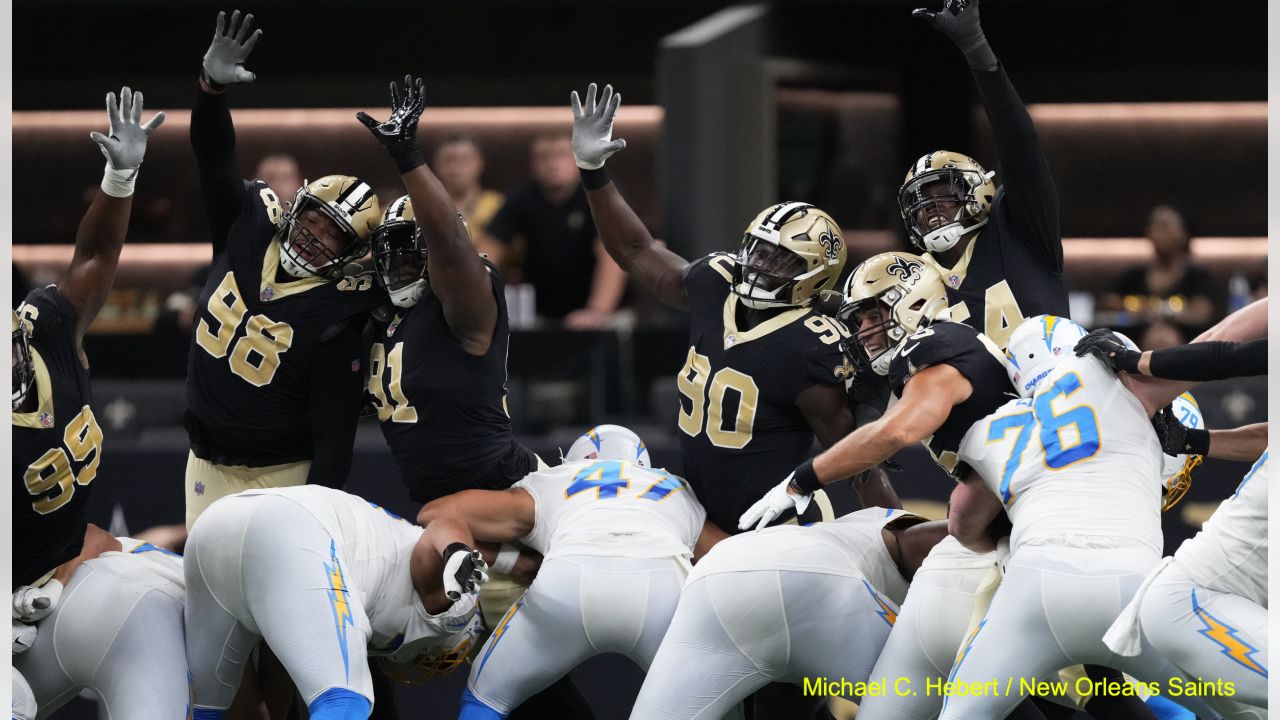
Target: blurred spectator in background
x: 281, y: 173
x: 574, y: 279
x: 1171, y: 295
x: 459, y: 163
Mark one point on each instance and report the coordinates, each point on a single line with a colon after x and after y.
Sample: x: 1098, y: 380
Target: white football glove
x: 774, y: 503
x: 464, y: 571
x: 31, y: 603
x: 232, y: 43
x: 593, y: 127
x: 24, y: 636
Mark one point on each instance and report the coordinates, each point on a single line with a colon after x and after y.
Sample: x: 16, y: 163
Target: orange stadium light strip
x: 342, y: 117
x: 1129, y: 249
x: 1199, y: 112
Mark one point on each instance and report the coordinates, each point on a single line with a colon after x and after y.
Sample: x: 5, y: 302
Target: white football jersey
x: 375, y: 546
x: 850, y: 546
x: 1077, y: 464
x: 611, y: 508
x: 1230, y: 551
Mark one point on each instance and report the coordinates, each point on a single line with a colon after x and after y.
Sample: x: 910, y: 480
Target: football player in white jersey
x: 788, y: 604
x: 116, y: 631
x: 616, y: 536
x: 1077, y: 466
x: 327, y: 579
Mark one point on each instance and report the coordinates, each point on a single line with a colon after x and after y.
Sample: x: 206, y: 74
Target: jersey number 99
x: 707, y: 403
x: 255, y: 355
x: 52, y: 470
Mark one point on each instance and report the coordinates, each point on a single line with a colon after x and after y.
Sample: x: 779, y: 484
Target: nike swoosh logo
x: 908, y: 351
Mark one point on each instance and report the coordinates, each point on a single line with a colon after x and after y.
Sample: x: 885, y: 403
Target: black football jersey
x: 442, y: 410
x: 249, y: 365
x: 57, y: 447
x: 1014, y: 269
x: 977, y: 358
x: 740, y: 430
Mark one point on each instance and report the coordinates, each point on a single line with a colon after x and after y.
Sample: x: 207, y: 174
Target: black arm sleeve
x: 1031, y: 200
x: 335, y: 407
x: 213, y: 138
x: 1210, y: 361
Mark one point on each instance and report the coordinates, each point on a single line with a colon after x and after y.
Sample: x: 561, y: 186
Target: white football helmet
x: 1036, y: 348
x: 1176, y: 471
x: 611, y: 442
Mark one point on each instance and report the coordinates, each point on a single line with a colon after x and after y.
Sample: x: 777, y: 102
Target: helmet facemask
x: 24, y: 370
x: 940, y: 207
x: 400, y: 256
x: 303, y: 254
x: 884, y: 337
x: 767, y: 273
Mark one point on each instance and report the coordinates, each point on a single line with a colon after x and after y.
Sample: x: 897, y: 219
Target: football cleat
x: 789, y: 253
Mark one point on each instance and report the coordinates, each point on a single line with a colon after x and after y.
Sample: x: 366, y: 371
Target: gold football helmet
x: 944, y: 196
x: 1177, y: 469
x: 347, y: 201
x: 400, y: 254
x: 24, y: 370
x: 907, y: 294
x: 789, y: 253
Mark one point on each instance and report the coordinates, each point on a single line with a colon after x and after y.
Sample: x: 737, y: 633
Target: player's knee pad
x: 474, y: 709
x: 339, y: 704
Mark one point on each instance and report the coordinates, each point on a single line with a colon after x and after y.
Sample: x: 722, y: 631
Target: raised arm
x: 213, y: 137
x: 457, y: 274
x: 100, y: 237
x: 627, y: 240
x: 1031, y: 199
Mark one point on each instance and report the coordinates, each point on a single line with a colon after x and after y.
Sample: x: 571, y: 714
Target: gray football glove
x: 232, y: 43
x: 34, y: 603
x: 593, y: 127
x: 464, y: 571
x: 127, y: 140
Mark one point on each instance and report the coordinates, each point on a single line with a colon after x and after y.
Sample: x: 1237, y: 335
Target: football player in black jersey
x: 998, y: 251
x: 274, y: 381
x: 764, y: 374
x: 57, y: 443
x: 438, y: 362
x: 946, y: 375
x: 437, y: 367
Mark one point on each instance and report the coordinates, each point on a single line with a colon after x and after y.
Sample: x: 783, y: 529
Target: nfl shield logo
x: 730, y: 340
x: 391, y: 329
x: 267, y: 293
x: 199, y: 488
x: 953, y: 281
x: 46, y: 419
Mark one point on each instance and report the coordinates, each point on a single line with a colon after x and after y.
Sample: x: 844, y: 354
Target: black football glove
x: 1110, y: 349
x: 1176, y: 438
x: 399, y: 134
x: 464, y: 570
x: 959, y: 21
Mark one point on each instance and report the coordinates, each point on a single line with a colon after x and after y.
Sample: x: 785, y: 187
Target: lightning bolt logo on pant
x: 340, y: 602
x: 1225, y: 637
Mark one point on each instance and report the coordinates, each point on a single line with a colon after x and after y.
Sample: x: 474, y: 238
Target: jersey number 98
x: 707, y: 402
x: 255, y: 355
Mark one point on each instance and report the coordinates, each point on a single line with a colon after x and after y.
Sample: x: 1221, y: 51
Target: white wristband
x: 506, y: 560
x: 118, y: 183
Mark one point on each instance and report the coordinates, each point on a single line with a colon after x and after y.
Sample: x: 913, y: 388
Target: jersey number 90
x: 707, y: 401
x: 255, y: 355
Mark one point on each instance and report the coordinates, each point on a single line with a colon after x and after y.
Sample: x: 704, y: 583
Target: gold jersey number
x: 706, y: 394
x: 255, y: 355
x: 1003, y: 315
x: 52, y: 470
x: 385, y: 372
